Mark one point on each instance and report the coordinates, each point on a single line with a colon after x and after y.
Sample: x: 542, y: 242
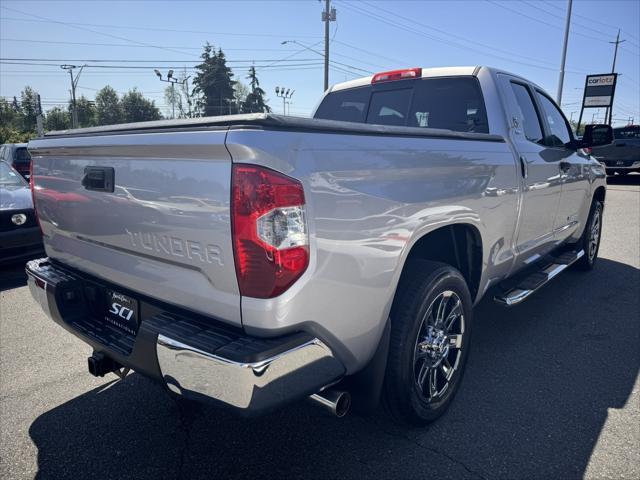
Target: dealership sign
x: 599, y: 90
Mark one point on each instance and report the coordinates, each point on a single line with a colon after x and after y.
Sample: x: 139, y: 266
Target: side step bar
x: 537, y: 279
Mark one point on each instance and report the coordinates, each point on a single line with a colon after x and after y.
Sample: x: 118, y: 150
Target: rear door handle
x: 524, y: 167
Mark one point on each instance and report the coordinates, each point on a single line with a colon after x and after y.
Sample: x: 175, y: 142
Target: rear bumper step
x: 537, y: 279
x: 194, y: 356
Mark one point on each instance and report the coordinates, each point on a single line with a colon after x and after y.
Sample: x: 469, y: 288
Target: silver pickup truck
x: 256, y: 260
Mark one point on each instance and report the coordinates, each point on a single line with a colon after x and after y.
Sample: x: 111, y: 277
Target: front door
x: 540, y: 174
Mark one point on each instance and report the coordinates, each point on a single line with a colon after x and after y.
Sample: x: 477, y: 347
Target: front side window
x: 558, y: 134
x: 528, y: 113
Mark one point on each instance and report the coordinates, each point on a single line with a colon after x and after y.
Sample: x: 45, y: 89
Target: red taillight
x: 270, y: 240
x: 33, y: 194
x: 403, y: 74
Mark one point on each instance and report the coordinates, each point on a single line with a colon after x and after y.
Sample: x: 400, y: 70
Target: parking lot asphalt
x: 551, y: 391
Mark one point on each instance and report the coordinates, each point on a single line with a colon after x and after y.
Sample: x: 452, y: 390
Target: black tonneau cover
x: 266, y: 121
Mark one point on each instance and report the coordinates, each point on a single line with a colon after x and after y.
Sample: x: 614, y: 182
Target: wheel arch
x: 458, y: 245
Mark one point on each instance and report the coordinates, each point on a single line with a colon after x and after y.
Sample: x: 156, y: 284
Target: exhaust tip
x: 343, y: 404
x: 338, y: 403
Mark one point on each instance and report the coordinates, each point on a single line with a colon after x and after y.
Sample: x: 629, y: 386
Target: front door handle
x: 524, y: 167
x: 565, y: 166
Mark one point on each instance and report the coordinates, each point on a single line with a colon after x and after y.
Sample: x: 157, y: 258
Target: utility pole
x: 74, y: 84
x: 564, y: 53
x: 39, y: 119
x: 329, y: 15
x: 284, y: 93
x: 609, y: 112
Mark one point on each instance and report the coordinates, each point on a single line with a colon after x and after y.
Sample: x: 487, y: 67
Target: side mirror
x: 596, y: 136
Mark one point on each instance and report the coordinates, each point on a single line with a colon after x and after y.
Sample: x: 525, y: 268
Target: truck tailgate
x: 161, y: 227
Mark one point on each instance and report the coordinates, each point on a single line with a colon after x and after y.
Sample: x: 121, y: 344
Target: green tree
x: 255, y: 101
x: 29, y: 104
x: 214, y: 83
x: 136, y: 108
x: 86, y: 112
x: 57, y: 119
x: 108, y: 108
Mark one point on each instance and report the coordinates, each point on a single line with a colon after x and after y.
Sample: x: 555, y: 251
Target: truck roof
x: 426, y: 73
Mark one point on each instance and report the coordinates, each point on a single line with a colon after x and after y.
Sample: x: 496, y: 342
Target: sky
x: 523, y: 37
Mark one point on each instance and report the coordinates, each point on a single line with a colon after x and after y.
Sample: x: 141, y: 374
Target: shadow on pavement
x: 540, y: 381
x: 12, y: 276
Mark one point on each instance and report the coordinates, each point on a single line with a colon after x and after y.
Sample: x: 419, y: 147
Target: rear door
x: 539, y: 170
x: 573, y: 167
x: 149, y: 211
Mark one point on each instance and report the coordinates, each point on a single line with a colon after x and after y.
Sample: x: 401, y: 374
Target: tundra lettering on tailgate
x: 176, y: 247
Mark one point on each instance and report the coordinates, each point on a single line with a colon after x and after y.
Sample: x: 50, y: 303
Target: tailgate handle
x: 99, y: 179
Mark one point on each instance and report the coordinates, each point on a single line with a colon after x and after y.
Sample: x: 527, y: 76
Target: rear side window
x: 453, y: 103
x: 528, y: 114
x: 22, y: 156
x: 449, y: 103
x: 345, y: 105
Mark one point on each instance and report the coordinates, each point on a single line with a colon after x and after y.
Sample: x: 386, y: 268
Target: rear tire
x: 430, y: 330
x: 590, y: 240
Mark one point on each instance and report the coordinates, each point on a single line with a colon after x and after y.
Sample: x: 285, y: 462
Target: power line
x: 146, y: 61
x: 441, y: 40
x: 93, y: 44
x: 92, y: 31
x: 449, y: 34
x: 551, y: 4
x: 153, y: 29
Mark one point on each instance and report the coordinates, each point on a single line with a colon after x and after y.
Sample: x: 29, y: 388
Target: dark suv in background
x: 623, y: 155
x: 17, y: 155
x: 20, y: 235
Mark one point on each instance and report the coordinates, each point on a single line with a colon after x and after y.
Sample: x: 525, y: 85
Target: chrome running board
x: 537, y: 279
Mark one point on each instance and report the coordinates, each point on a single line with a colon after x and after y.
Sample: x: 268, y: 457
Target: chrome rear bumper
x: 198, y: 358
x: 254, y: 386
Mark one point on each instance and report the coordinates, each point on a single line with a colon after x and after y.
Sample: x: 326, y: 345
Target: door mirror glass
x: 596, y: 136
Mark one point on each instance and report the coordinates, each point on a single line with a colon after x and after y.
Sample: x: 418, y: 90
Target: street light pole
x: 284, y: 93
x: 564, y: 52
x: 172, y: 80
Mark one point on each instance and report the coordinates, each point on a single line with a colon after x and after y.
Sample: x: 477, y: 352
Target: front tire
x: 590, y: 240
x: 430, y: 330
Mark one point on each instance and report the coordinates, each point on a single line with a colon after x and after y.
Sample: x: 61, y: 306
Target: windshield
x: 9, y: 177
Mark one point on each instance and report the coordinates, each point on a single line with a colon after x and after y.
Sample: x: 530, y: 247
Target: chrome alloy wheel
x: 594, y: 235
x: 438, y: 348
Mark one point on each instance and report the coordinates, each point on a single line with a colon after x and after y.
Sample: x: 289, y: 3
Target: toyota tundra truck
x: 255, y: 260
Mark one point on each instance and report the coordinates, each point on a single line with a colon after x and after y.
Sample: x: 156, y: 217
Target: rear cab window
x: 451, y: 103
